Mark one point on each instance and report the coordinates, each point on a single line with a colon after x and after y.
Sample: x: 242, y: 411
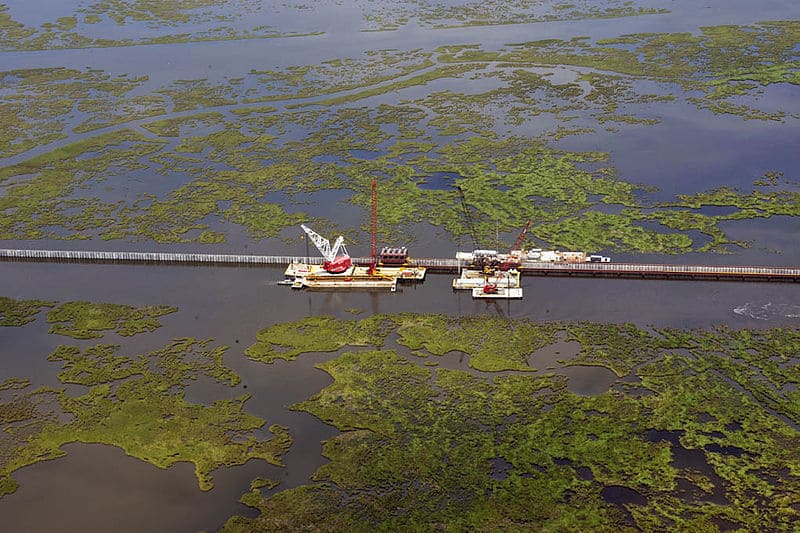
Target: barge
x: 470, y: 279
x: 490, y: 291
x: 315, y: 277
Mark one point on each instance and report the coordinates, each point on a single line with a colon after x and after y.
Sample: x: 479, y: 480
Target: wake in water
x: 768, y: 310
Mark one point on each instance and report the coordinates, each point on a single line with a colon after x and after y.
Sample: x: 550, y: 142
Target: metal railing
x: 663, y: 270
x: 648, y: 271
x: 83, y: 256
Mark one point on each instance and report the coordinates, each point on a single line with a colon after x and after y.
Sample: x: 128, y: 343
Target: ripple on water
x: 768, y: 310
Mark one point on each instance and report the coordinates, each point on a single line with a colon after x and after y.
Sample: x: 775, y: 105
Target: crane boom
x: 518, y: 242
x: 322, y: 244
x: 337, y: 245
x: 468, y: 217
x: 337, y: 260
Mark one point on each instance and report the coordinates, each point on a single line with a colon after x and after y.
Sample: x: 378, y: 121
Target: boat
x: 353, y: 278
x: 497, y: 291
x: 470, y: 279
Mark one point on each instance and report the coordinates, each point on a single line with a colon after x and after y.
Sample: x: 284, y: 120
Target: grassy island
x: 135, y: 402
x: 701, y: 435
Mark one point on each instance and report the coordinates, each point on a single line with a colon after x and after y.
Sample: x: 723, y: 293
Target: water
x: 97, y: 488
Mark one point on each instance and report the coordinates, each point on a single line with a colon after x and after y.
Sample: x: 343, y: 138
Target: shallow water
x: 99, y: 488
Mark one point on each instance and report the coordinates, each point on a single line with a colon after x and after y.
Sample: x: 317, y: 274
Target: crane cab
x: 393, y: 256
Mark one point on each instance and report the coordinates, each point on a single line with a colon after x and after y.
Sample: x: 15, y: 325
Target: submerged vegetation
x: 704, y: 436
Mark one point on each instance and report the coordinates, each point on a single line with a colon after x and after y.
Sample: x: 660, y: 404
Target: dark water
x: 99, y: 488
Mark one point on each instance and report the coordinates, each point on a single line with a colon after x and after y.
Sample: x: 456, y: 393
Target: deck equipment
x: 337, y: 260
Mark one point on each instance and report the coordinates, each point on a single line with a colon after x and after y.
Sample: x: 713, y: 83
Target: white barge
x: 471, y: 279
x: 505, y: 293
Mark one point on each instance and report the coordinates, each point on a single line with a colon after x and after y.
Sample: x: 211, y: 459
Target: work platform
x: 301, y: 275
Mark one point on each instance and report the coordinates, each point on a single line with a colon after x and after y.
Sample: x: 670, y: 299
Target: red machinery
x: 336, y: 258
x: 514, y: 261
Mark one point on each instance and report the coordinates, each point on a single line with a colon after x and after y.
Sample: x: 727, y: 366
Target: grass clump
x: 138, y: 404
x: 87, y: 320
x: 20, y: 312
x: 424, y: 448
x: 318, y: 334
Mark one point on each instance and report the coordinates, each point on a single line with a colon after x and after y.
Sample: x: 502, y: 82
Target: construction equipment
x: 521, y: 237
x: 468, y: 218
x: 336, y: 258
x: 374, y: 230
x: 338, y: 272
x: 515, y: 255
x: 485, y: 259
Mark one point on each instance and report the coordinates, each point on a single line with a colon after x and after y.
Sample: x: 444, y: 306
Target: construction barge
x: 337, y: 270
x: 301, y: 275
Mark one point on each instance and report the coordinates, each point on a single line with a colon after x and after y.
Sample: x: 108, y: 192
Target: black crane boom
x: 468, y: 218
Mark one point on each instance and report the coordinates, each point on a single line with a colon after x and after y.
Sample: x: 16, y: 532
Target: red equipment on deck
x: 338, y: 265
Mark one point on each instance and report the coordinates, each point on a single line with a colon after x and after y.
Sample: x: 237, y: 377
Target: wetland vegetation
x: 215, y: 156
x: 86, y: 320
x: 95, y: 24
x: 136, y: 402
x: 87, y: 25
x: 699, y: 429
x: 20, y: 312
x: 702, y: 432
x: 701, y: 435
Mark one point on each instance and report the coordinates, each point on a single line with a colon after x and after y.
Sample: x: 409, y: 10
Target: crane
x: 485, y: 259
x: 336, y: 259
x: 468, y: 218
x: 516, y: 250
x: 374, y: 230
x: 518, y: 242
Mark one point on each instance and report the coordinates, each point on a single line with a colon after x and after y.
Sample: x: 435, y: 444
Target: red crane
x: 374, y: 243
x: 513, y: 262
x: 518, y: 242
